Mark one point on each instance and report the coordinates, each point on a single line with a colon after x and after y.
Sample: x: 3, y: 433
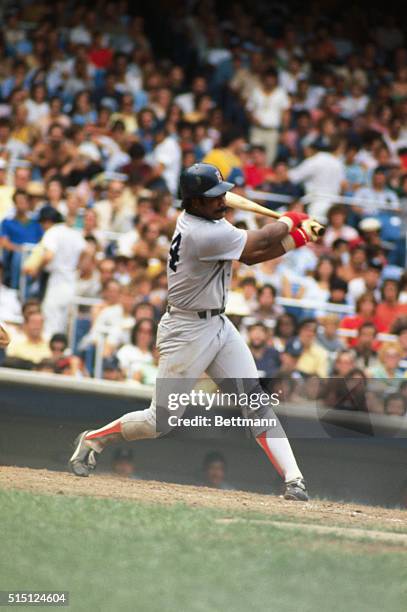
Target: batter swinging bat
x: 236, y: 201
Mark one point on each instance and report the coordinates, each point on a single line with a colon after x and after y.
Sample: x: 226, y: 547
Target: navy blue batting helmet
x: 203, y: 181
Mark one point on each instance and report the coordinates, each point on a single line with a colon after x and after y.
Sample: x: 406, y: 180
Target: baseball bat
x: 237, y: 201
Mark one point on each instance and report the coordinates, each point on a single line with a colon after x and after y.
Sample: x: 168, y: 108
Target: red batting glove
x: 296, y: 239
x: 293, y: 219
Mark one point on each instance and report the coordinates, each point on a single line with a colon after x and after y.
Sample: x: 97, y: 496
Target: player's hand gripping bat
x: 237, y: 201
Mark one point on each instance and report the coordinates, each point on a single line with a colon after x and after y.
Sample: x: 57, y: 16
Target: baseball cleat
x: 296, y: 490
x: 83, y: 461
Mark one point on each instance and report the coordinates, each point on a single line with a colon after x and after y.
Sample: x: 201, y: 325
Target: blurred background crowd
x: 102, y: 106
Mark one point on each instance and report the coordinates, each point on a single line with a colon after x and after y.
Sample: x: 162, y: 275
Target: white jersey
x: 66, y: 244
x: 199, y: 264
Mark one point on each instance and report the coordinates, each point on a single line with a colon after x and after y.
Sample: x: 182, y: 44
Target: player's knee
x: 138, y: 426
x: 260, y: 412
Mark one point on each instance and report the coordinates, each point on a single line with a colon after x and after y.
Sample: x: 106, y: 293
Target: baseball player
x: 194, y: 335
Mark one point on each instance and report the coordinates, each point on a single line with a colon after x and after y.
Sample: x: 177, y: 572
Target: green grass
x: 119, y: 556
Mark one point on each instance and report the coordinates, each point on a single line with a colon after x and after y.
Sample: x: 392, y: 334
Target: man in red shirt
x: 366, y: 312
x: 390, y: 309
x: 256, y: 170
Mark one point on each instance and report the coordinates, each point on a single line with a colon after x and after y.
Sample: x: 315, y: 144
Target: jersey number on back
x: 174, y: 252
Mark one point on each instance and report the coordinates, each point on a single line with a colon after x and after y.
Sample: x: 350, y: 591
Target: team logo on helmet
x: 218, y: 175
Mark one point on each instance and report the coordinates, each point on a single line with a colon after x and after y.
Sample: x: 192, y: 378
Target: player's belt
x: 202, y: 314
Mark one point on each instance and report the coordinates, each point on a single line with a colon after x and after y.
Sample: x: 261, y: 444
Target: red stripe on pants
x: 262, y: 440
x: 104, y: 432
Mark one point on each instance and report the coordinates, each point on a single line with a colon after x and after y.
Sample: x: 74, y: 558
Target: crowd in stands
x: 101, y: 108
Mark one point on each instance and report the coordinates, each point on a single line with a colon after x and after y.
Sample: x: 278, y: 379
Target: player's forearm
x: 271, y: 235
x: 276, y: 250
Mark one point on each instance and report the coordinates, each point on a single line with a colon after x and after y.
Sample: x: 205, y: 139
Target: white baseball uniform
x: 194, y: 336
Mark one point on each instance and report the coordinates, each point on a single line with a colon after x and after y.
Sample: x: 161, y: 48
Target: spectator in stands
x: 33, y: 346
x: 289, y: 361
x: 62, y: 248
x: 400, y: 329
x: 368, y: 283
x: 256, y: 171
x: 147, y: 373
x: 248, y: 286
x: 267, y: 308
x: 327, y: 333
x: 318, y: 287
x: 337, y: 227
x: 114, y: 322
x: 87, y: 276
x: 285, y: 329
x: 110, y: 293
x: 370, y: 228
x: 348, y: 392
x: 45, y: 366
x: 149, y: 245
x: 131, y: 356
x: 365, y: 347
x: 280, y: 184
x: 355, y: 173
x: 114, y: 213
x: 395, y: 404
x: 389, y: 356
x: 366, y: 312
x: 111, y: 370
x: 356, y: 266
x: 378, y: 195
x: 268, y: 107
x: 314, y: 359
x: 338, y: 289
x: 17, y: 231
x: 50, y: 156
x: 322, y: 173
x: 267, y: 358
x: 227, y: 157
x: 6, y: 191
x: 389, y: 310
x: 4, y: 339
x: 58, y: 346
x: 71, y: 365
x: 166, y: 161
x: 10, y: 307
x: 344, y: 363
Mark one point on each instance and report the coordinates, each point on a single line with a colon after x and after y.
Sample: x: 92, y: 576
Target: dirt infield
x: 152, y: 492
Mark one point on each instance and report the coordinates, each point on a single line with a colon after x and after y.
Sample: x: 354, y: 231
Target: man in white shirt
x: 61, y: 248
x: 322, y: 175
x: 267, y: 106
x: 378, y: 196
x: 10, y: 307
x: 166, y: 159
x: 114, y: 213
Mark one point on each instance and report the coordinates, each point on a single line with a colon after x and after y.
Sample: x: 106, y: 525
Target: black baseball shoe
x: 296, y: 490
x: 83, y: 460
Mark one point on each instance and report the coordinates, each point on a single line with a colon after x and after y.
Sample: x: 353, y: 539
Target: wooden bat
x: 237, y: 201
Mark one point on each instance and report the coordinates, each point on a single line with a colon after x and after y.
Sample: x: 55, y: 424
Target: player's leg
x: 182, y: 362
x: 234, y: 366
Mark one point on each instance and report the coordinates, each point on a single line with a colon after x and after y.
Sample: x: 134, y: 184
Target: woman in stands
x: 4, y: 338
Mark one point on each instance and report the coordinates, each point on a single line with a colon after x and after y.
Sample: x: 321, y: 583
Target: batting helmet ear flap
x: 203, y: 181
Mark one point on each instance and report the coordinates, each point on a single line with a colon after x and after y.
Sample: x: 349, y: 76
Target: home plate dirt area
x: 323, y: 516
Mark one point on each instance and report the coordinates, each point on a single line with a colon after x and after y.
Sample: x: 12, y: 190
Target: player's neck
x: 197, y: 214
